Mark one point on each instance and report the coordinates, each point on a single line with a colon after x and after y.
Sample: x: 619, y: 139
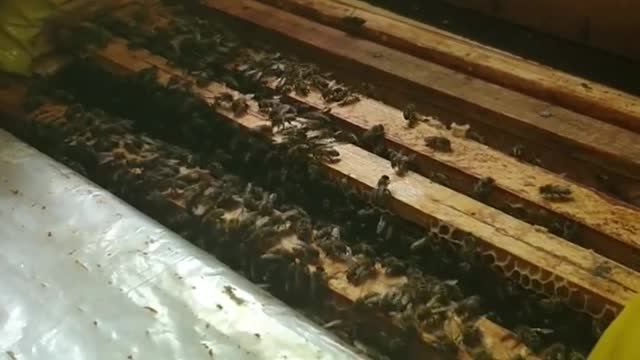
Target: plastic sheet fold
x: 85, y: 276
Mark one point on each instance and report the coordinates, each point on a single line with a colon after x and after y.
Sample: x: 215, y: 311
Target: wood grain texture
x: 603, y: 24
x: 586, y: 138
x: 464, y: 55
x: 417, y: 199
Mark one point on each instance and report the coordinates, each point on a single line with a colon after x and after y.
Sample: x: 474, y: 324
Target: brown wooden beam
x: 607, y: 25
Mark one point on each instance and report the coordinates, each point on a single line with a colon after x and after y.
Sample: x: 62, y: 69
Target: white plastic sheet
x: 85, y: 276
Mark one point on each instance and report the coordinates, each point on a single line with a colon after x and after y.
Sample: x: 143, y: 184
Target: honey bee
x: 373, y: 136
x: 353, y: 24
x: 349, y: 100
x: 438, y: 143
x: 556, y: 193
x: 411, y: 116
x: 361, y: 270
x: 382, y: 192
x: 239, y: 106
x: 483, y: 188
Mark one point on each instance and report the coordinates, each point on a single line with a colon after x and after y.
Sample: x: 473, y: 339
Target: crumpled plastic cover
x: 85, y: 276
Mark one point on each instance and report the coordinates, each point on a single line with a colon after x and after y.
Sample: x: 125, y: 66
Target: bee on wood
x: 439, y: 178
x: 326, y: 154
x: 349, y: 100
x: 602, y: 270
x: 394, y: 267
x: 518, y: 211
x: 360, y: 271
x: 518, y: 152
x: 223, y: 100
x: 483, y: 188
x: 373, y: 135
x: 382, y: 192
x: 411, y: 116
x: 334, y: 249
x: 266, y: 105
x: 239, y: 106
x: 556, y: 193
x: 335, y: 94
x: 353, y: 24
x: 282, y: 115
x: 400, y: 162
x: 373, y: 139
x: 566, y: 229
x: 438, y: 143
x: 301, y: 88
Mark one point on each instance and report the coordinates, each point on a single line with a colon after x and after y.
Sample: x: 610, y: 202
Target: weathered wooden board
x: 603, y: 24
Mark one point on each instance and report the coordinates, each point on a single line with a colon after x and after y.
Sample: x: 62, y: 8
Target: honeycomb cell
x: 549, y: 288
x: 444, y: 229
x: 509, y: 267
x: 562, y: 292
x: 576, y: 298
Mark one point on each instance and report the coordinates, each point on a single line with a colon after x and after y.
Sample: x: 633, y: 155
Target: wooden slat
x: 535, y: 254
x: 604, y: 24
x: 605, y: 226
x: 429, y: 43
x: 498, y: 341
x: 583, y: 137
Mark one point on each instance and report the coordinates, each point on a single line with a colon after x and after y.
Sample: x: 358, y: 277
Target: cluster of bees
x: 344, y: 225
x: 242, y: 224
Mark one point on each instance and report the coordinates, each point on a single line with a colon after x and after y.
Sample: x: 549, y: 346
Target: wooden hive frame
x: 581, y: 147
x: 353, y: 120
x: 461, y: 54
x: 606, y: 226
